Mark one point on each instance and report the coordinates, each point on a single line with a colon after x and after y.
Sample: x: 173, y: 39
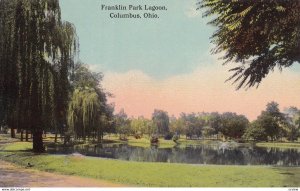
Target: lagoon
x: 217, y: 153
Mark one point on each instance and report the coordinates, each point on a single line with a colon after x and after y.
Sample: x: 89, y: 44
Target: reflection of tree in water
x: 200, y: 154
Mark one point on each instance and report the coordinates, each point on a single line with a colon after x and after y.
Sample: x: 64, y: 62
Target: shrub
x: 168, y: 136
x: 154, y: 140
x: 175, y: 138
x: 137, y: 136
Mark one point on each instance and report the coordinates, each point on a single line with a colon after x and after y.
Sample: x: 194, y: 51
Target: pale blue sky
x: 173, y: 44
x: 170, y: 57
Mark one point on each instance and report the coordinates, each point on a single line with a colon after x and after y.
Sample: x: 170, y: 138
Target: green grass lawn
x: 279, y: 144
x: 154, y: 174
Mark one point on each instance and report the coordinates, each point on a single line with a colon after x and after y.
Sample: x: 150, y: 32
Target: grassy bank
x: 154, y: 174
x: 295, y: 145
x: 145, y: 142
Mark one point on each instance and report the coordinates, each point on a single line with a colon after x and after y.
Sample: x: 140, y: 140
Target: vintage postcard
x: 149, y: 93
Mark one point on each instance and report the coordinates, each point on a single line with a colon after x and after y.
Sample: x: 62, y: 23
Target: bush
x: 137, y: 136
x: 168, y: 136
x: 175, y: 138
x: 154, y: 140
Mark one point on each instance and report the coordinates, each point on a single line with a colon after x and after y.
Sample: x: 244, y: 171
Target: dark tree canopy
x: 257, y: 34
x: 37, y: 52
x: 233, y: 125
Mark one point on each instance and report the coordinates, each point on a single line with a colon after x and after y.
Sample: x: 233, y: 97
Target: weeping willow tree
x: 89, y: 115
x: 37, y: 52
x: 84, y: 112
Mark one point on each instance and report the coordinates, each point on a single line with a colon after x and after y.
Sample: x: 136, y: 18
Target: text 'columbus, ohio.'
x: 133, y: 16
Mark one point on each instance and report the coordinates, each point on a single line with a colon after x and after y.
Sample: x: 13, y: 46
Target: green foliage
x: 255, y: 132
x: 175, y: 138
x: 168, y: 136
x: 207, y: 131
x: 214, y: 121
x: 161, y: 121
x: 122, y: 124
x: 259, y: 35
x: 292, y: 125
x: 154, y: 139
x: 84, y: 113
x: 233, y: 125
x: 194, y: 124
x: 274, y: 125
x: 269, y: 124
x: 178, y: 126
x: 37, y: 52
x: 88, y: 112
x: 272, y: 121
x: 140, y: 126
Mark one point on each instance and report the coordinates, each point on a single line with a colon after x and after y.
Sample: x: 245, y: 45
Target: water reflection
x: 200, y: 154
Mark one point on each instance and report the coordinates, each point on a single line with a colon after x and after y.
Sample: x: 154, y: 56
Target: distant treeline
x: 271, y: 124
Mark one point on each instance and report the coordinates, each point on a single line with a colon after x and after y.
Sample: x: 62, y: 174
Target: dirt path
x: 15, y: 176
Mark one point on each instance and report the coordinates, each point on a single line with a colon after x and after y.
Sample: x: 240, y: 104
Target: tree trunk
x: 26, y: 135
x: 98, y: 135
x: 21, y: 134
x: 37, y: 139
x: 12, y: 133
x: 55, y: 139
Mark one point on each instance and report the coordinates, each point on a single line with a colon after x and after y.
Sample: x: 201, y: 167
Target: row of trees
x: 270, y: 125
x: 41, y: 87
x: 192, y: 125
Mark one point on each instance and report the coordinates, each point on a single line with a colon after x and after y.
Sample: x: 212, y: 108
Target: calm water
x: 218, y: 153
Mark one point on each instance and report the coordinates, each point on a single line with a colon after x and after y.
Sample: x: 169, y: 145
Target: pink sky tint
x: 201, y: 90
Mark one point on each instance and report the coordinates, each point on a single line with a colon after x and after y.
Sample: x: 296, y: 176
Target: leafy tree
x: 150, y: 127
x: 255, y: 132
x: 161, y: 121
x: 233, y: 125
x: 208, y: 131
x: 259, y: 35
x: 177, y: 126
x: 194, y: 124
x: 270, y: 125
x: 37, y: 52
x: 272, y: 108
x: 139, y: 126
x: 215, y: 122
x: 122, y: 124
x: 88, y: 113
x: 292, y: 116
x: 273, y: 121
x: 84, y: 112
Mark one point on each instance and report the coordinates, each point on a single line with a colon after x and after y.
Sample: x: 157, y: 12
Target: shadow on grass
x: 14, y: 151
x: 287, y: 173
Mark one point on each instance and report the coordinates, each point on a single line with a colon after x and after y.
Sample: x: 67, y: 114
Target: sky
x: 166, y: 63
